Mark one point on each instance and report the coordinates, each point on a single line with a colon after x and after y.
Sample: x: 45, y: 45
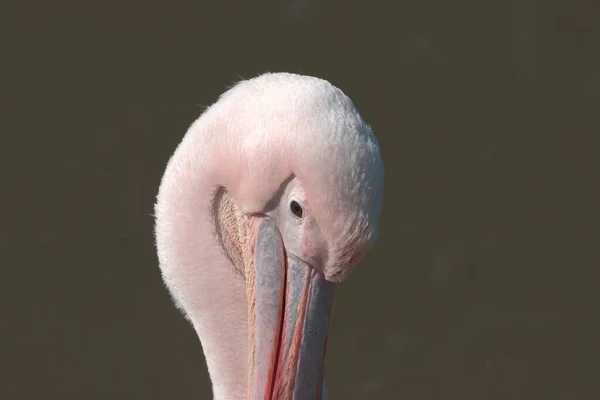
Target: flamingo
x: 271, y: 199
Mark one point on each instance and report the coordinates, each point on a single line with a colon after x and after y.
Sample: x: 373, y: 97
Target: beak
x: 289, y: 318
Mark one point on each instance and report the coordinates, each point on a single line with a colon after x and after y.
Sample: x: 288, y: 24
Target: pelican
x: 270, y: 200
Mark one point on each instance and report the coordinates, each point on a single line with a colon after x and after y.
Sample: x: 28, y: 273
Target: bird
x: 270, y: 200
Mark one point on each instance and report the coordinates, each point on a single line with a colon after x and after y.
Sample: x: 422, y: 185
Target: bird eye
x: 296, y: 209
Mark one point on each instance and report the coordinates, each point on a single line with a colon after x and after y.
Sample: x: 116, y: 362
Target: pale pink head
x: 280, y: 181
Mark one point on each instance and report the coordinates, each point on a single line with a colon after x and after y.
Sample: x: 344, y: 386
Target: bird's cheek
x: 313, y: 246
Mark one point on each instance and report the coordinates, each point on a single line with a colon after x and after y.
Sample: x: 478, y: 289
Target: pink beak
x: 293, y: 302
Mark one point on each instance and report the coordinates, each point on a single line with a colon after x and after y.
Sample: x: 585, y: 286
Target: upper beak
x: 289, y: 316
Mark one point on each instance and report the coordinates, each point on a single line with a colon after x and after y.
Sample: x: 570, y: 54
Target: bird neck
x: 199, y: 276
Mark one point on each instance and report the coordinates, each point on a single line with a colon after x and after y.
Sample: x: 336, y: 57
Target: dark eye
x: 296, y: 209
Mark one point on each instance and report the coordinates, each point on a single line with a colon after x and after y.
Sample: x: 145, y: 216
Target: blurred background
x: 483, y: 284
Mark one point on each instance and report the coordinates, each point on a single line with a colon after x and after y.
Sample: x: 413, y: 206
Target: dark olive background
x: 483, y: 284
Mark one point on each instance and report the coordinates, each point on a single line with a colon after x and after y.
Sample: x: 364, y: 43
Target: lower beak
x: 289, y: 318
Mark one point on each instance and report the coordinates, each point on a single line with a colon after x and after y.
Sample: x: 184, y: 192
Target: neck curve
x: 201, y: 279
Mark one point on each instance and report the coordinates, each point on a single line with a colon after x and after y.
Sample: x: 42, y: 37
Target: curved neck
x: 202, y: 281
